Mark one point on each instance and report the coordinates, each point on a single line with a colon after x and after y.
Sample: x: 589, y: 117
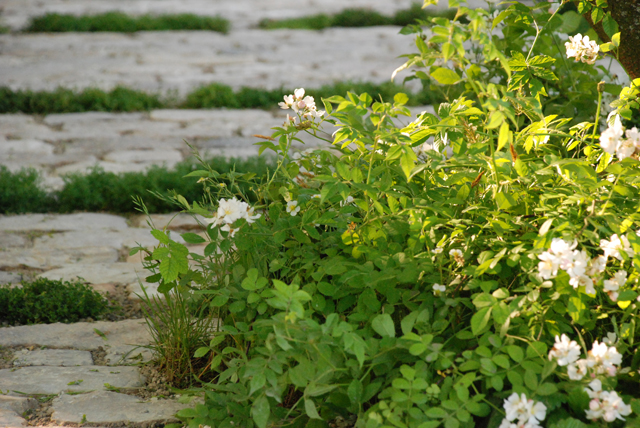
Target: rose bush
x: 447, y: 269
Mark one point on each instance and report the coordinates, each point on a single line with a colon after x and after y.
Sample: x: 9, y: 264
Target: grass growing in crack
x: 122, y: 23
x: 179, y: 325
x: 214, y: 95
x: 20, y: 192
x: 356, y: 18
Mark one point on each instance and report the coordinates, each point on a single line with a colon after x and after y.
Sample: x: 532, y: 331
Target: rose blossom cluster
x: 602, y: 359
x: 605, y: 404
x: 303, y: 106
x: 582, y: 49
x: 612, y: 140
x: 522, y: 412
x: 582, y: 270
x: 563, y: 255
x: 231, y: 210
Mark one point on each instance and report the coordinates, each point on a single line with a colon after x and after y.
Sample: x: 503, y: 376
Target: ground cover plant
x: 120, y: 22
x: 50, y: 301
x: 473, y: 267
x: 98, y: 190
x: 355, y: 18
x: 214, y: 95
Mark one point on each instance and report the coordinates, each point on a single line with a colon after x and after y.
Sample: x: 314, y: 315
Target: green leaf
x: 504, y: 136
x: 260, y: 411
x: 310, y: 408
x: 496, y: 119
x: 531, y: 380
x: 355, y: 391
x: 480, y: 319
x: 547, y: 389
x: 160, y: 236
x: 201, y: 352
x: 445, y: 76
x: 516, y: 353
x: 436, y: 413
x: 383, y: 325
x: 192, y: 238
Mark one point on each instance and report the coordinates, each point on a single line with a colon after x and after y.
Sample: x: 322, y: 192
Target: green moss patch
x: 214, y: 95
x: 356, y: 18
x: 122, y: 23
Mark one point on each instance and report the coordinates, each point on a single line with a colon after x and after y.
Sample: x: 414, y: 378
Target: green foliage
x: 20, y: 192
x: 50, y: 301
x: 400, y: 277
x: 355, y: 18
x: 123, y: 23
x: 98, y: 190
x: 61, y: 100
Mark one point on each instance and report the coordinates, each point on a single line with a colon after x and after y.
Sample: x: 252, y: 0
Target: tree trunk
x: 627, y: 15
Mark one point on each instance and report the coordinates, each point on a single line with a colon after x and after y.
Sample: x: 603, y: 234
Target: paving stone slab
x: 17, y: 404
x: 11, y: 419
x: 129, y: 237
x: 47, y: 258
x: 184, y: 60
x: 112, y: 407
x: 53, y: 380
x: 61, y: 222
x: 121, y: 336
x: 52, y: 357
x: 98, y: 273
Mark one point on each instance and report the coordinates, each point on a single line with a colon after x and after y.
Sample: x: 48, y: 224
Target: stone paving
x: 183, y: 60
x: 56, y: 359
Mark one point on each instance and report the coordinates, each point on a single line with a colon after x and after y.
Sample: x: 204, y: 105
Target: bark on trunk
x: 627, y: 15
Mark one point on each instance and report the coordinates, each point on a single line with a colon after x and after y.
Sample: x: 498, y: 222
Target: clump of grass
x: 356, y: 18
x: 61, y: 100
x: 123, y: 23
x: 48, y: 301
x: 20, y: 192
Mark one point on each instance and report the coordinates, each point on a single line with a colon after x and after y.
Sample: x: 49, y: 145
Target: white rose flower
x: 611, y: 138
x: 577, y: 370
x: 565, y: 351
x: 548, y: 266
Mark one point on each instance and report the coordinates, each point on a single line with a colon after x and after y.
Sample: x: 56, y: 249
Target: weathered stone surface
x: 99, y: 238
x: 12, y: 240
x: 53, y: 380
x: 145, y: 156
x: 11, y: 419
x: 45, y: 257
x: 175, y: 221
x: 136, y: 293
x: 61, y: 222
x: 185, y: 60
x: 111, y: 407
x: 12, y: 409
x: 52, y: 357
x: 98, y: 273
x: 83, y: 336
x: 17, y: 148
x: 10, y: 277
